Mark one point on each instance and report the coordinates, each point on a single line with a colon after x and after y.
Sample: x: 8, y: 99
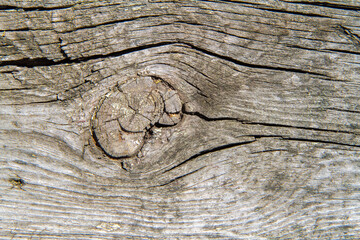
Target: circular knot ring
x: 129, y: 110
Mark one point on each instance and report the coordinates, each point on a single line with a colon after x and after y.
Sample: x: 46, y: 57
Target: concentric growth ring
x: 129, y: 110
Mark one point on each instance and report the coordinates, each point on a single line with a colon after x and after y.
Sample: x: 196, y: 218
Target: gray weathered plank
x: 267, y: 147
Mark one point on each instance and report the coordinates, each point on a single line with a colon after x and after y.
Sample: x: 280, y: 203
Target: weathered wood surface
x: 267, y: 146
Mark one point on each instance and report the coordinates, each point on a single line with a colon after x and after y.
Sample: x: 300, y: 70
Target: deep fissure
x: 46, y: 62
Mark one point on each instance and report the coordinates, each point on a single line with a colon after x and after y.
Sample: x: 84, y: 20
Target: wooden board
x: 268, y: 145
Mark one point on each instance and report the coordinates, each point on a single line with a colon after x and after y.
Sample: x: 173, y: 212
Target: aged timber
x: 179, y: 119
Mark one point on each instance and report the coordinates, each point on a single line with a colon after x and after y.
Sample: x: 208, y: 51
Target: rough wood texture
x: 268, y: 145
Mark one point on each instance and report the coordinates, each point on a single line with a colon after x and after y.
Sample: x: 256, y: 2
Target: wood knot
x: 130, y: 110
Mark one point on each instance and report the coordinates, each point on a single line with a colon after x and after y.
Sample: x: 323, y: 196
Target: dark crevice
x: 343, y: 110
x: 233, y: 1
x: 189, y: 23
x: 202, y: 94
x: 46, y: 62
x: 17, y: 89
x: 342, y: 51
x: 208, y: 151
x: 258, y: 66
x: 326, y: 4
x: 257, y: 6
x: 123, y: 166
x: 97, y: 143
x: 302, y: 140
x: 179, y: 177
x: 322, y: 50
x: 208, y: 119
x: 86, y: 82
x: 207, y: 78
x: 271, y: 150
x: 258, y: 136
x: 97, y: 25
x: 29, y: 9
x: 27, y: 62
x: 62, y: 51
x: 75, y: 90
x: 117, y: 21
x: 202, y: 116
x: 199, y: 91
x: 160, y: 125
x: 39, y: 62
x: 319, y: 141
x: 24, y: 29
x: 300, y: 47
x: 298, y: 127
x: 214, y: 29
x: 293, y: 12
x: 350, y: 34
x: 193, y: 85
x: 31, y: 103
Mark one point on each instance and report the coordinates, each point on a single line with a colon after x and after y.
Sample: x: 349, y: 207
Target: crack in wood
x: 31, y: 9
x: 177, y: 178
x: 118, y: 21
x: 62, y: 51
x: 343, y: 110
x: 325, y: 4
x: 46, y: 62
x: 209, y: 119
x: 294, y: 12
x: 17, y: 89
x: 250, y: 65
x: 209, y: 151
x: 32, y: 103
x: 40, y: 62
x: 350, y: 34
x: 320, y: 141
